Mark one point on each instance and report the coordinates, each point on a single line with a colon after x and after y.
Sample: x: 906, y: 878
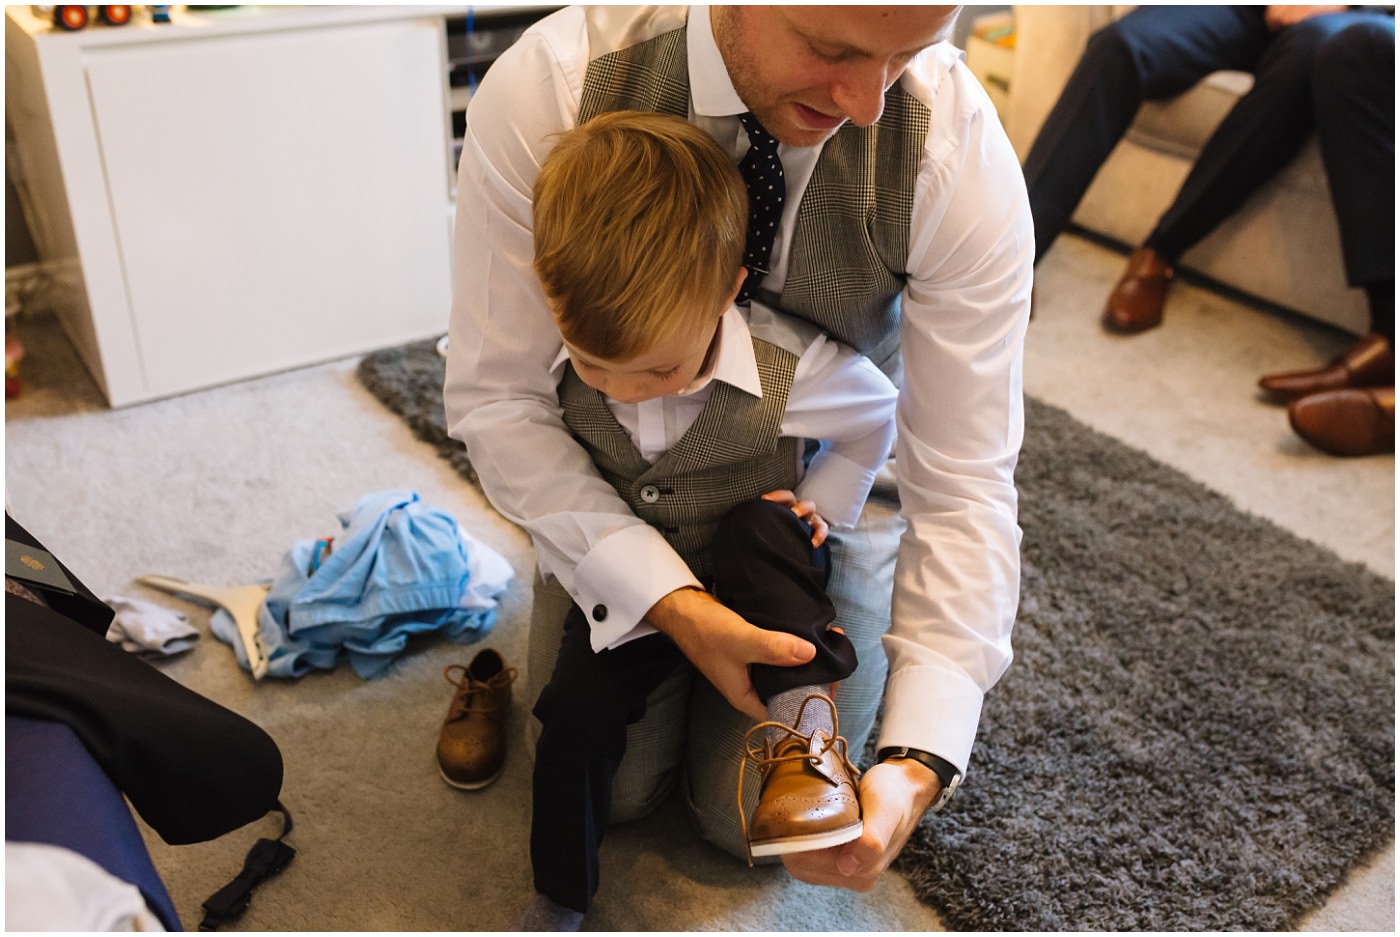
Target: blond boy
x: 700, y: 414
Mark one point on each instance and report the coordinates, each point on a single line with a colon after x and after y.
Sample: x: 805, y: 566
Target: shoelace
x: 471, y: 693
x: 764, y: 760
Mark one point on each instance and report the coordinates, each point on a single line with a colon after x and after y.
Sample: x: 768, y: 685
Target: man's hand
x: 893, y: 797
x: 722, y: 645
x: 1277, y: 17
x: 807, y: 510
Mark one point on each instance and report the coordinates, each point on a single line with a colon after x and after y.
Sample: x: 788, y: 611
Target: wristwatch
x: 948, y: 774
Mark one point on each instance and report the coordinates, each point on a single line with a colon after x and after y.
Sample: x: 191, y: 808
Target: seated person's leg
x: 166, y: 747
x: 1260, y: 135
x: 1176, y: 46
x: 1353, y: 90
x: 652, y: 763
x: 1153, y: 53
x: 1348, y: 408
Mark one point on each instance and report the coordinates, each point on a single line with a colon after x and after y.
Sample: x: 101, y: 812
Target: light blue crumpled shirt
x: 398, y: 567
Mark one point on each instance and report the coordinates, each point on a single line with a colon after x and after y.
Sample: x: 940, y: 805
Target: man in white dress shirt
x: 906, y: 234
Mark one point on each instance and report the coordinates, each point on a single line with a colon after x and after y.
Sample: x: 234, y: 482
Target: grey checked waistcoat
x: 732, y: 453
x: 850, y: 244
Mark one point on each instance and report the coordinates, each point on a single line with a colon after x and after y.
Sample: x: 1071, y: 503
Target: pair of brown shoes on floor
x: 1346, y: 408
x: 471, y: 748
x: 808, y: 798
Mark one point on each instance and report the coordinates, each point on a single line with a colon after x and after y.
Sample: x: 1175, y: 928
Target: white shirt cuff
x: 621, y: 578
x: 934, y: 709
x: 838, y: 487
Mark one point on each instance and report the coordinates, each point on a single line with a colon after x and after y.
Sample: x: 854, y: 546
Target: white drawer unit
x: 236, y: 192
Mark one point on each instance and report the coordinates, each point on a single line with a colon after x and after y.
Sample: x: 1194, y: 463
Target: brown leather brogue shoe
x: 808, y: 799
x: 471, y: 748
x: 1368, y: 363
x: 1354, y: 421
x: 1135, y: 305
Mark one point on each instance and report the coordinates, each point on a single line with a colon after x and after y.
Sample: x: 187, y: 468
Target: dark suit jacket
x: 191, y: 768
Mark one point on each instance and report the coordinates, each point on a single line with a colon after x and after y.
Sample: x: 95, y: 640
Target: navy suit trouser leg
x: 1354, y: 98
x: 1260, y: 135
x: 1153, y: 53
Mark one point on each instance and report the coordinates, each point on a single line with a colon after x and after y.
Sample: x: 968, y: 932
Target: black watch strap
x: 948, y: 774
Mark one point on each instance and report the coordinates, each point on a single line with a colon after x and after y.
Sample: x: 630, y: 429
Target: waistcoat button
x: 650, y: 494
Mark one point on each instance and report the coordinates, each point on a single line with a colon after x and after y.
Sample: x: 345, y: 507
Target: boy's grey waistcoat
x: 732, y: 453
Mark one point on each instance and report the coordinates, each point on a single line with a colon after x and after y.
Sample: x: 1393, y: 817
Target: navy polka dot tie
x: 763, y: 176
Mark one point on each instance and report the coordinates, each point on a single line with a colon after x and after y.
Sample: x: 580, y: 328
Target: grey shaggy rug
x: 1198, y: 730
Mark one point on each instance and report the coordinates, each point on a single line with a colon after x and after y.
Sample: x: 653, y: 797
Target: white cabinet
x: 237, y: 192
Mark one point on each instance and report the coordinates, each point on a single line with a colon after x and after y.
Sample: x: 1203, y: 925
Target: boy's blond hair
x: 640, y: 223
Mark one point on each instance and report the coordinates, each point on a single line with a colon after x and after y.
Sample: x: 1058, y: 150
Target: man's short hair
x: 640, y: 219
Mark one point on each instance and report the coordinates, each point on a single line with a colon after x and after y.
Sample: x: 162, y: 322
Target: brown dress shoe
x: 808, y: 799
x: 1368, y: 363
x: 471, y: 748
x: 1353, y: 421
x: 1135, y: 305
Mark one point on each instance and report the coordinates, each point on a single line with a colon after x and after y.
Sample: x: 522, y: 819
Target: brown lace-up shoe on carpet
x: 471, y: 749
x: 808, y: 799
